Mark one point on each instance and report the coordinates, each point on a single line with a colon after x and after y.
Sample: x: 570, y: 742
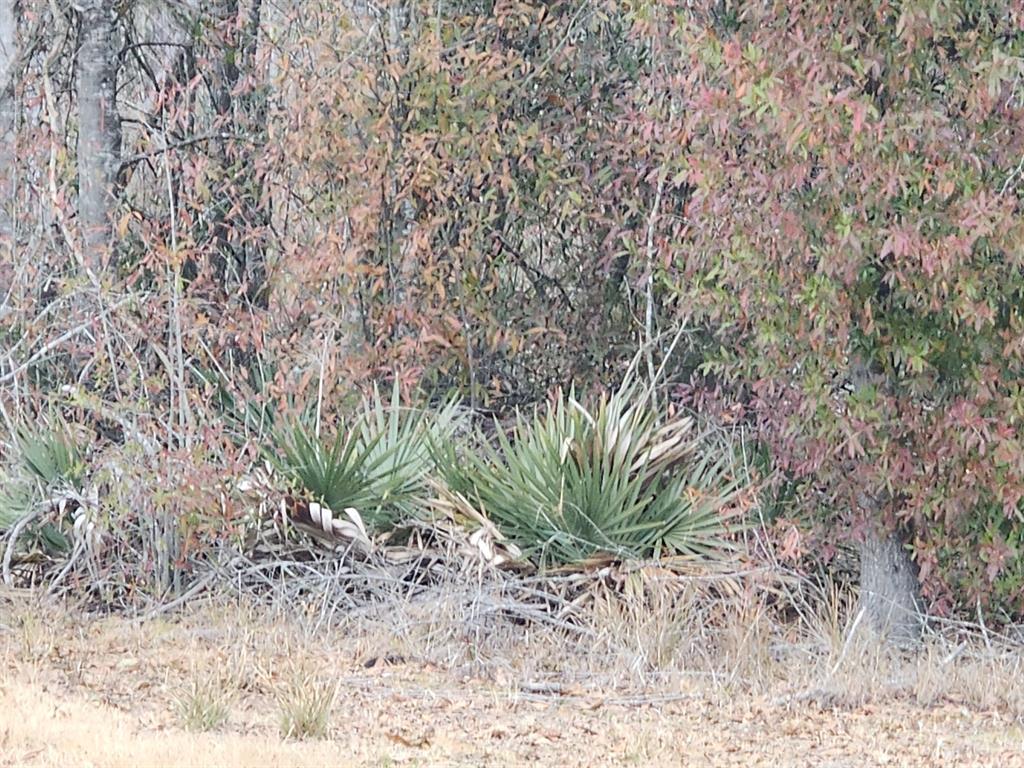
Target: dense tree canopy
x: 855, y: 240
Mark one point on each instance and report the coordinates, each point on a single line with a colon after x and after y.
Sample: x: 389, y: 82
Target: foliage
x: 820, y: 202
x: 574, y: 482
x: 854, y: 239
x: 379, y: 465
x: 50, y: 457
x: 49, y: 462
x: 483, y: 220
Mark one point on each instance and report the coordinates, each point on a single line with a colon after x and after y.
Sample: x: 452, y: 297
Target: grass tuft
x: 203, y: 705
x: 305, y: 702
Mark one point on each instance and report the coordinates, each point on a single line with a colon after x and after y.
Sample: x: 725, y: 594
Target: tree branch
x: 142, y: 157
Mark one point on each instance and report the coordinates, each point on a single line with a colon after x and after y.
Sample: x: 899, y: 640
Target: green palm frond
x: 16, y: 499
x: 336, y: 474
x: 47, y: 461
x: 50, y: 456
x: 379, y: 465
x: 571, y: 483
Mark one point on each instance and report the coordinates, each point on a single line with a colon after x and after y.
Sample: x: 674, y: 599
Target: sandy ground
x: 101, y: 692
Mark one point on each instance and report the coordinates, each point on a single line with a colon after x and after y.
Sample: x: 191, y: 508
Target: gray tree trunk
x: 99, y: 130
x: 8, y: 42
x: 890, y: 594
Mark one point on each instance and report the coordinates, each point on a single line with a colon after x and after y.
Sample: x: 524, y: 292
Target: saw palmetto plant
x: 571, y: 483
x: 47, y: 463
x: 378, y: 465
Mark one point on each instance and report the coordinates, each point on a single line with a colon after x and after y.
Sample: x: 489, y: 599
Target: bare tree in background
x: 99, y: 129
x: 240, y: 109
x: 8, y: 42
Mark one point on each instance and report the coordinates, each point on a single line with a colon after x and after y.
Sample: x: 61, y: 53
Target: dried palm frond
x: 321, y: 521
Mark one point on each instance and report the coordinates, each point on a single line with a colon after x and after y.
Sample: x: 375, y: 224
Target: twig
x: 536, y: 276
x: 846, y: 645
x: 984, y: 629
x: 320, y: 385
x: 569, y: 29
x: 12, y: 539
x: 174, y: 341
x: 187, y: 595
x: 528, y: 612
x: 51, y: 345
x: 952, y: 655
x: 135, y: 159
x: 649, y: 288
x: 75, y: 555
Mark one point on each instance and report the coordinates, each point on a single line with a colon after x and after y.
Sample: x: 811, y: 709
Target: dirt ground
x: 77, y: 691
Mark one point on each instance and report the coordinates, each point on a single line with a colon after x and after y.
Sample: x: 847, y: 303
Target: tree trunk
x: 241, y: 246
x: 99, y: 130
x: 890, y: 594
x: 8, y: 40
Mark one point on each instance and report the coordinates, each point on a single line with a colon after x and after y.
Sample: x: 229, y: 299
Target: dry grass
x: 305, y: 699
x: 204, y: 703
x: 443, y: 677
x: 645, y: 634
x: 991, y: 682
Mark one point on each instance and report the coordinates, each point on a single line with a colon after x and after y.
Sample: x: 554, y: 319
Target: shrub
x: 574, y: 482
x: 49, y: 466
x: 854, y: 239
x: 378, y: 465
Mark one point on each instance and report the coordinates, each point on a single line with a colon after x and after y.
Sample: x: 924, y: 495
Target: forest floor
x: 80, y: 690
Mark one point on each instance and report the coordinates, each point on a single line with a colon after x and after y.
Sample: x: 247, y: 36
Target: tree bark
x: 99, y: 130
x: 241, y: 250
x: 890, y: 594
x: 8, y: 155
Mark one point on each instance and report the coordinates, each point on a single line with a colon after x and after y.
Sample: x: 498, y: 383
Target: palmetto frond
x: 48, y: 462
x: 378, y: 465
x: 572, y: 482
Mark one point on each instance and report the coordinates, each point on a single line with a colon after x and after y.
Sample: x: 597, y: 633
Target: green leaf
x: 574, y: 482
x: 379, y: 465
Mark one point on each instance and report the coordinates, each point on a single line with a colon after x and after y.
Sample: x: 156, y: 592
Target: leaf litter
x: 84, y: 691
